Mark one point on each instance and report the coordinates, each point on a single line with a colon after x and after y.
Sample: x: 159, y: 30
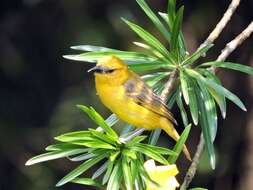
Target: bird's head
x: 110, y: 69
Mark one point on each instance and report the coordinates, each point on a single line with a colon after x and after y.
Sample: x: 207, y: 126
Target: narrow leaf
x: 87, y: 181
x: 127, y: 174
x: 218, y: 88
x: 210, y: 111
x: 205, y: 128
x: 99, y: 120
x: 81, y: 169
x: 184, y: 86
x: 154, y: 19
x: 182, y: 110
x: 115, y: 178
x: 53, y: 155
x: 196, y: 55
x: 230, y: 65
x: 100, y: 170
x: 151, y: 40
x: 177, y: 24
x: 180, y: 144
x: 193, y: 104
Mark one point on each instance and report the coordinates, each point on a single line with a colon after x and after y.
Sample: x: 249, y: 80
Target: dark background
x: 39, y: 89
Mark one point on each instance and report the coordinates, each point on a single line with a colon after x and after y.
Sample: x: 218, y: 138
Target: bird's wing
x: 138, y: 90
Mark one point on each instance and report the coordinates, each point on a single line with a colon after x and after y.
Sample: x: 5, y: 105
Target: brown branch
x: 230, y: 47
x: 169, y: 86
x: 222, y: 23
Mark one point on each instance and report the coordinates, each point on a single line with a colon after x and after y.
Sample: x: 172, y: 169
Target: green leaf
x: 53, y: 155
x: 210, y: 111
x: 150, y: 153
x: 124, y: 55
x: 108, y: 172
x: 62, y: 146
x: 184, y: 86
x: 171, y: 12
x: 74, y: 136
x: 218, y: 88
x: 129, y: 153
x: 127, y: 174
x: 198, y: 188
x: 193, y: 104
x: 197, y: 54
x: 154, y: 19
x: 220, y: 99
x: 91, y: 48
x: 126, y: 129
x: 151, y: 40
x: 180, y: 144
x: 157, y: 149
x: 99, y: 121
x: 115, y: 178
x: 205, y: 128
x: 229, y: 65
x: 177, y: 24
x: 87, y: 181
x: 152, y: 79
x: 81, y: 169
x: 182, y: 110
x: 103, y: 137
x: 135, y: 140
x: 111, y: 120
x: 95, y: 144
x: 100, y: 170
x: 82, y: 157
x: 154, y: 136
x: 154, y: 65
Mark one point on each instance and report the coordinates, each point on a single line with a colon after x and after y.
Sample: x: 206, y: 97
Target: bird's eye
x: 109, y: 71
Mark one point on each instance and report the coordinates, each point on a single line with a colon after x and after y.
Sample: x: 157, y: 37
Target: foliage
x: 198, y: 90
x: 119, y: 162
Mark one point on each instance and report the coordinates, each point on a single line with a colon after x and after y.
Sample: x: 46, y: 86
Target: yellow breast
x: 114, y: 98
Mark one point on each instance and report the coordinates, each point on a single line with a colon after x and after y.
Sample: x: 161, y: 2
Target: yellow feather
x: 126, y: 95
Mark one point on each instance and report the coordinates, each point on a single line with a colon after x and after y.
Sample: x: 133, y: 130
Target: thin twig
x: 195, y: 161
x: 230, y: 47
x: 169, y: 86
x: 223, y: 22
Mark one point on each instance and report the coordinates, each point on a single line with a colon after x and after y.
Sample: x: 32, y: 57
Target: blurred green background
x: 39, y: 89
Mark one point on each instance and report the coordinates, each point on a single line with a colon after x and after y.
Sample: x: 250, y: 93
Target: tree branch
x: 230, y: 47
x: 223, y: 22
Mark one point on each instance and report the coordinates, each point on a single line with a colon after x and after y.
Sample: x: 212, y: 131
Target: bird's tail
x: 168, y: 127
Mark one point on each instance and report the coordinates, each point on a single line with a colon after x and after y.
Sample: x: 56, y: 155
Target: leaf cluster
x: 120, y: 164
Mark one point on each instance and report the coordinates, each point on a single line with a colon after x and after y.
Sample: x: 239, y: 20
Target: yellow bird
x: 126, y: 95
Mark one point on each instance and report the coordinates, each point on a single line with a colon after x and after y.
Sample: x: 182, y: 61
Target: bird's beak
x: 94, y: 69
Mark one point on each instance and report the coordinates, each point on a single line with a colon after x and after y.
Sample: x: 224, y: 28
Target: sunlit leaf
x: 127, y: 174
x: 54, y: 155
x: 81, y: 169
x: 115, y: 177
x: 205, y: 128
x: 218, y: 88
